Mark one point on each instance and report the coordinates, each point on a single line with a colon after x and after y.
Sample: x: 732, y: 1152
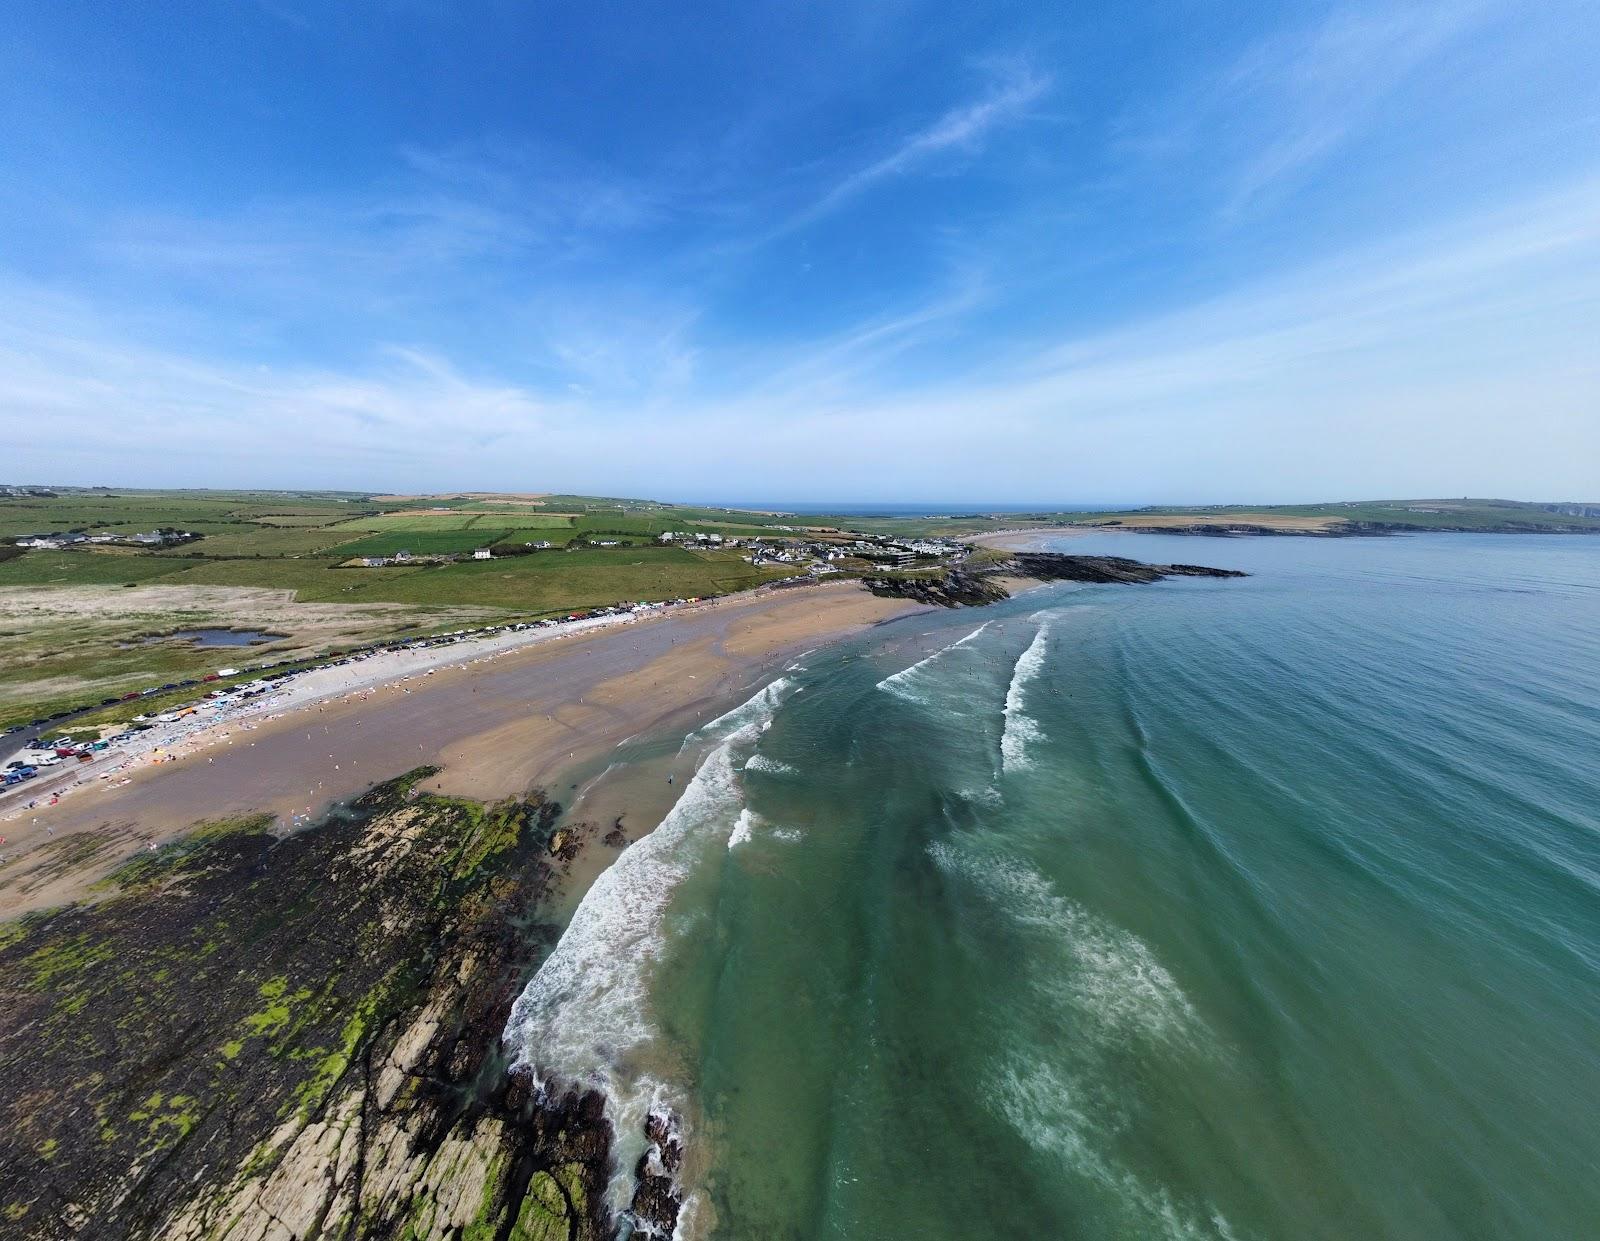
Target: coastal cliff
x: 265, y: 1037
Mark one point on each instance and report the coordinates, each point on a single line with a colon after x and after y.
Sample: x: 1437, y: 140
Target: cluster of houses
x: 819, y: 556
x: 477, y: 553
x: 691, y: 538
x: 161, y: 536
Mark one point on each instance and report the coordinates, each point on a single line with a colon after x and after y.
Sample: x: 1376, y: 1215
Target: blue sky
x: 892, y: 251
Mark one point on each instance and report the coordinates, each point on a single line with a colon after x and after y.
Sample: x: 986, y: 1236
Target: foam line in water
x: 1069, y: 1100
x: 1020, y: 727
x: 1063, y: 1116
x: 741, y: 828
x: 758, y: 709
x: 904, y: 683
x: 585, y: 1015
x: 1109, y: 976
x: 769, y: 766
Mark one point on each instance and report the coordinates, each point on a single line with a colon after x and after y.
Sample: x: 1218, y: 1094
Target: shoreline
x: 498, y: 719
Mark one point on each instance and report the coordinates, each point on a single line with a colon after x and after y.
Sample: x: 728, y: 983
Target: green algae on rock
x: 254, y: 1035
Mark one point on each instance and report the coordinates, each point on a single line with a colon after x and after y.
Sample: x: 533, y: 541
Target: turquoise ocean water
x: 1255, y: 909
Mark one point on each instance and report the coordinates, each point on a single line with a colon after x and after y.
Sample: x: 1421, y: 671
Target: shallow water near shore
x: 1258, y: 908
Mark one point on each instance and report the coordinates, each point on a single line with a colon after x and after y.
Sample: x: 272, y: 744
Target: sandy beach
x: 1023, y: 538
x: 502, y: 718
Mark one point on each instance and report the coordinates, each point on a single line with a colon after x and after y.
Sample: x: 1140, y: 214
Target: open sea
x: 1265, y: 908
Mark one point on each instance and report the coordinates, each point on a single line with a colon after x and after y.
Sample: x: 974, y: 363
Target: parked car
x: 109, y: 702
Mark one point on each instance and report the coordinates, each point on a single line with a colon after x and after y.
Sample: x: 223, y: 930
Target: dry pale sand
x: 496, y: 727
x: 1024, y: 538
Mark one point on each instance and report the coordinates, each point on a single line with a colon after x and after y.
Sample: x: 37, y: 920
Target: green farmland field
x: 556, y: 581
x: 420, y: 542
x: 72, y: 621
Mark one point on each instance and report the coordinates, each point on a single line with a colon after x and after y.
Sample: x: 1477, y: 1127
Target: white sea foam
x: 585, y: 1016
x: 769, y: 766
x: 741, y: 828
x: 908, y: 682
x: 1070, y: 1099
x: 757, y: 710
x: 1020, y: 727
x: 1110, y: 977
x: 1062, y: 1115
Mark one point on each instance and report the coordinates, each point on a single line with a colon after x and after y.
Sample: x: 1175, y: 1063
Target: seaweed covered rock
x: 955, y: 588
x: 258, y: 1036
x: 1054, y: 567
x: 657, y: 1198
x: 975, y: 587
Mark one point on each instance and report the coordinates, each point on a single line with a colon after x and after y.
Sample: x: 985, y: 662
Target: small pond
x: 215, y: 637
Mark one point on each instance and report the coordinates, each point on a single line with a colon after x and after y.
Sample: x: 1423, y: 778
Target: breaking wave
x: 1109, y: 976
x: 1059, y: 1115
x: 585, y: 1016
x: 758, y: 710
x: 908, y: 682
x: 769, y: 766
x: 1069, y: 1101
x: 741, y: 828
x: 1020, y: 727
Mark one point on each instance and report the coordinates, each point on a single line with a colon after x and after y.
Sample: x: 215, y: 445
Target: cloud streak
x: 960, y: 129
x: 1399, y: 359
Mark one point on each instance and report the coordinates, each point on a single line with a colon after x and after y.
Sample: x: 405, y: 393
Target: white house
x: 482, y: 553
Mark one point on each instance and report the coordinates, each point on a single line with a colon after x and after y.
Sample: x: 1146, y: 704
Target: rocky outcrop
x: 955, y: 588
x: 274, y: 1038
x: 966, y: 587
x: 1052, y: 567
x: 657, y: 1197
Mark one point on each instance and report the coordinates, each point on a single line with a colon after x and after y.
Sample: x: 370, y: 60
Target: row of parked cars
x: 62, y: 750
x: 269, y: 681
x: 109, y: 702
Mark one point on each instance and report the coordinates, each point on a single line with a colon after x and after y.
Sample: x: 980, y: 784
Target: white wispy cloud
x: 1260, y: 124
x: 1455, y: 359
x: 961, y: 129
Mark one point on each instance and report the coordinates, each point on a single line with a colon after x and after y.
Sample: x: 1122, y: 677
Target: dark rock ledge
x: 973, y: 587
x: 267, y: 1038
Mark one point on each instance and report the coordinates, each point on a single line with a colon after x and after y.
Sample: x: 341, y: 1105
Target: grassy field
x: 71, y: 621
x: 420, y: 542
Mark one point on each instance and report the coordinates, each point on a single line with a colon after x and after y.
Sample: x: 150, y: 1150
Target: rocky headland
x: 269, y: 1037
x: 967, y: 586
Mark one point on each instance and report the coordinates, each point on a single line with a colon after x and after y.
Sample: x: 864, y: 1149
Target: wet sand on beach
x: 496, y: 727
